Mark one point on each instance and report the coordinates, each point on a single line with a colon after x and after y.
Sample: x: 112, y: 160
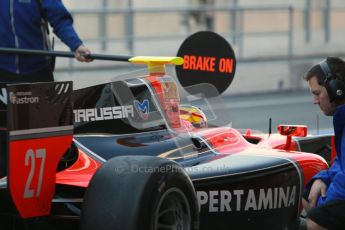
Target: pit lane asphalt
x: 254, y: 111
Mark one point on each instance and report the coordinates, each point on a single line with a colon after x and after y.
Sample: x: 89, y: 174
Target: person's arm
x: 318, y: 188
x: 342, y: 150
x: 62, y: 23
x: 80, y: 53
x: 318, y: 185
x: 328, y: 175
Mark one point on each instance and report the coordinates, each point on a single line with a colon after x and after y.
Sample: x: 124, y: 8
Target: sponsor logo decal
x: 101, y: 114
x: 142, y: 108
x: 247, y: 200
x: 59, y: 94
x: 62, y: 88
x: 19, y: 98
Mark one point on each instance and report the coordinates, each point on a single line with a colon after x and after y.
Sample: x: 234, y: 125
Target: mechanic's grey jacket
x: 21, y: 27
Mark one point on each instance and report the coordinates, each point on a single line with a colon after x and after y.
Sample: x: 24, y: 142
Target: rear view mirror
x: 293, y: 130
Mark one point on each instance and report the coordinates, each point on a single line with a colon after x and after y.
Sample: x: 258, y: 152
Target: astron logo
x: 19, y: 98
x: 3, y: 96
x: 247, y: 200
x: 101, y: 114
x: 142, y: 108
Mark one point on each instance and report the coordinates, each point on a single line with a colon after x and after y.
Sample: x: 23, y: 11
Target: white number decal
x: 28, y: 193
x: 30, y: 160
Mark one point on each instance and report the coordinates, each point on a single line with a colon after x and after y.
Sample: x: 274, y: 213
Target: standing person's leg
x: 3, y: 126
x: 44, y: 75
x: 328, y: 216
x: 3, y: 150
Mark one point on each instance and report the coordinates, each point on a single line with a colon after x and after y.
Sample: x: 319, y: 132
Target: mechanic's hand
x: 81, y: 52
x: 318, y: 189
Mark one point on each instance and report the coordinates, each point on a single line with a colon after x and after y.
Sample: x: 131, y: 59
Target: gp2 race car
x: 140, y: 152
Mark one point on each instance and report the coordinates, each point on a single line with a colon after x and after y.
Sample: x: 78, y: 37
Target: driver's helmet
x: 194, y: 115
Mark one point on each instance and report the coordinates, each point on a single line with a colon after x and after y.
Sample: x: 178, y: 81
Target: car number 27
x: 32, y: 159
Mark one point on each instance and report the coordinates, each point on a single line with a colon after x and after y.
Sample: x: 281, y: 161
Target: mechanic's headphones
x: 335, y: 87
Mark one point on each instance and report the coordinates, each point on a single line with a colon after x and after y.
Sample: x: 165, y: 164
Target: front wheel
x: 140, y: 192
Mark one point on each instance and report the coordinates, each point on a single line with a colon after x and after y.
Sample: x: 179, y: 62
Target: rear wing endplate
x: 37, y: 133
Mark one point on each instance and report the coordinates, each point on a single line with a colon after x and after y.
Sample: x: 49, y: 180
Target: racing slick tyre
x: 140, y: 192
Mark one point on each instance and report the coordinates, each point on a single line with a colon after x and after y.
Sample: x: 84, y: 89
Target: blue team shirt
x: 334, y: 177
x: 21, y: 27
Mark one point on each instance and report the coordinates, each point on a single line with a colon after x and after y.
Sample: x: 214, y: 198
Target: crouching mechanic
x: 324, y: 198
x: 24, y: 24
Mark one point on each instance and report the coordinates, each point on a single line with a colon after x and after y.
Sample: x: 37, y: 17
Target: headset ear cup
x: 335, y: 89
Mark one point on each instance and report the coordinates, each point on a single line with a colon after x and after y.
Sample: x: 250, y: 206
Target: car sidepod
x: 248, y: 192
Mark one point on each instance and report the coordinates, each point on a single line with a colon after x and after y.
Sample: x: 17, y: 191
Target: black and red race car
x: 140, y: 152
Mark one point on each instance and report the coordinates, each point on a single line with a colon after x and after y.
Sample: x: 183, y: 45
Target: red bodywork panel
x: 32, y: 170
x: 80, y: 173
x: 230, y: 141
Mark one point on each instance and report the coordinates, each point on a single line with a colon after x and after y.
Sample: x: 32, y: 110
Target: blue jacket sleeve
x: 326, y: 175
x: 62, y: 23
x: 334, y: 177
